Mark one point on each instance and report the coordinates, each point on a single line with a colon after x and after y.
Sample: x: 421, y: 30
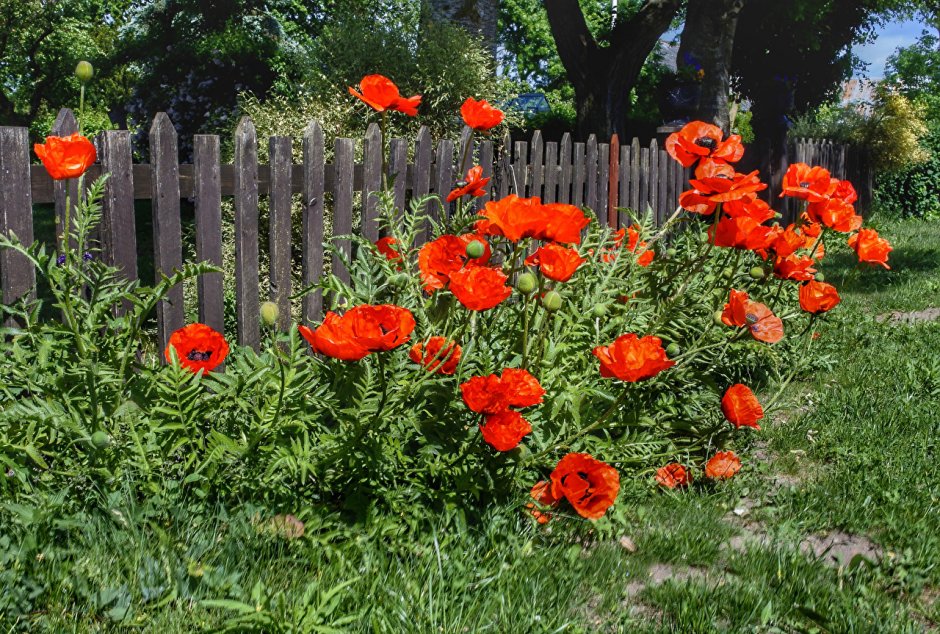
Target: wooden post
x: 422, y: 175
x: 519, y: 168
x: 398, y: 172
x: 635, y: 175
x: 444, y: 179
x: 17, y: 275
x: 564, y: 169
x: 590, y: 173
x: 613, y: 186
x: 246, y: 234
x: 486, y: 161
x: 603, y: 181
x: 550, y: 194
x: 313, y: 188
x: 653, y: 178
x: 118, y: 225
x: 279, y: 244
x: 207, y: 189
x: 344, y: 151
x: 371, y: 181
x: 167, y: 233
x: 536, y: 177
x: 624, y: 198
x: 662, y: 212
x: 504, y: 165
x: 577, y: 178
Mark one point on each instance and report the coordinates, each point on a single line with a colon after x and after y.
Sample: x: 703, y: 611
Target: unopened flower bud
x: 476, y: 249
x: 526, y: 283
x: 758, y: 273
x: 673, y: 350
x: 600, y: 310
x: 84, y: 71
x: 100, y: 439
x: 551, y: 301
x: 820, y: 277
x: 269, y: 313
x: 717, y: 318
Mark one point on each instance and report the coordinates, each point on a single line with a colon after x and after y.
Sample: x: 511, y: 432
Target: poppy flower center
x: 199, y: 355
x: 706, y: 142
x: 804, y: 184
x: 751, y: 318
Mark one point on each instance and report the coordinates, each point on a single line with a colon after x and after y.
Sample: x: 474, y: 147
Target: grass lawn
x: 832, y: 526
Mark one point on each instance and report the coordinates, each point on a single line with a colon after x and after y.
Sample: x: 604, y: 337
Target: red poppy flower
x: 750, y: 206
x: 813, y: 184
x: 493, y: 394
x: 563, y: 223
x: 555, y: 261
x: 475, y: 185
x: 845, y: 192
x: 386, y: 246
x: 786, y: 241
x: 697, y: 140
x: 794, y: 267
x: 66, y: 157
x: 835, y: 214
x: 763, y: 324
x: 198, y: 347
x: 741, y: 232
x: 870, y: 247
x: 437, y: 354
x: 673, y: 475
x: 590, y: 485
x: 632, y: 359
x: 717, y: 182
x: 382, y: 94
x: 722, y: 465
x: 818, y: 297
x: 516, y: 218
x: 504, y: 430
x: 644, y: 256
x: 741, y: 408
x: 735, y: 311
x: 480, y: 115
x: 438, y: 259
x: 479, y: 287
x: 542, y: 493
x: 360, y: 331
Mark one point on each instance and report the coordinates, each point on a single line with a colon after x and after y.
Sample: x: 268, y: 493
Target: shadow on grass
x: 904, y: 261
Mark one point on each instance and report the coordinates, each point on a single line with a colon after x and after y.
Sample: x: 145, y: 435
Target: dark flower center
x: 462, y: 184
x: 804, y: 184
x: 751, y: 318
x: 199, y: 355
x: 706, y: 142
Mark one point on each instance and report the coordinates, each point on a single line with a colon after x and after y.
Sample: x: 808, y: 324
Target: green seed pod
x: 671, y: 253
x: 84, y: 71
x: 100, y: 439
x: 552, y: 301
x: 673, y: 350
x: 758, y: 273
x: 526, y: 283
x: 820, y: 277
x: 269, y: 313
x: 717, y: 318
x: 728, y: 271
x: 476, y: 249
x: 600, y: 310
x: 398, y: 280
x: 519, y: 451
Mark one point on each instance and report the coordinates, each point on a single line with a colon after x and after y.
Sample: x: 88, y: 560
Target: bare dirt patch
x: 839, y: 549
x: 912, y: 317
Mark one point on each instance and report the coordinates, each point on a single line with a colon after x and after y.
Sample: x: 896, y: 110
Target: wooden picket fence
x: 605, y: 177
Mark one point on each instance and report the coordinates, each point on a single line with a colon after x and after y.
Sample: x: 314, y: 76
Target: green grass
x: 854, y: 448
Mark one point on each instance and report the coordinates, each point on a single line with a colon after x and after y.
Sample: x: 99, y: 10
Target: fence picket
x: 653, y: 178
x: 422, y: 174
x: 536, y: 156
x: 372, y: 152
x: 624, y: 197
x: 550, y: 194
x: 590, y: 173
x: 314, y: 187
x: 564, y: 171
x: 208, y: 199
x: 344, y: 157
x: 603, y: 180
x: 398, y: 172
x: 279, y: 243
x: 64, y: 190
x: 17, y: 275
x: 503, y: 167
x: 486, y: 161
x: 613, y: 185
x: 118, y: 227
x: 246, y: 234
x: 661, y: 208
x: 444, y: 177
x: 635, y: 175
x: 577, y: 177
x: 519, y: 168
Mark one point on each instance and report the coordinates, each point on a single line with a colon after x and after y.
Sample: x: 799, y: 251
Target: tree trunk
x: 604, y: 76
x: 706, y: 45
x: 478, y: 17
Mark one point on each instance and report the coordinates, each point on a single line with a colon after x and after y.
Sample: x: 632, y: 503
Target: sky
x: 889, y: 38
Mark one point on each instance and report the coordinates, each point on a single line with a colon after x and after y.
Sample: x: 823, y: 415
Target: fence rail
x: 604, y: 176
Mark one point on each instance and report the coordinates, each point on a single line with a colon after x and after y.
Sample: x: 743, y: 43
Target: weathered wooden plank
x: 279, y: 243
x: 17, y: 275
x: 644, y: 189
x: 444, y: 178
x: 344, y: 153
x: 519, y: 170
x: 536, y: 156
x: 603, y: 178
x: 624, y: 193
x: 504, y: 167
x: 577, y: 177
x: 118, y: 227
x: 421, y: 185
x: 398, y: 172
x: 486, y: 161
x: 313, y: 190
x: 662, y: 210
x: 564, y: 169
x: 247, y: 302
x: 550, y: 186
x: 372, y: 151
x: 65, y: 190
x: 590, y: 173
x: 635, y: 156
x: 613, y: 185
x: 653, y: 178
x: 208, y: 201
x: 465, y: 151
x: 167, y: 233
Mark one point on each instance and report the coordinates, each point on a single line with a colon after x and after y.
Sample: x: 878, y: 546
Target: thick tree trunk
x: 478, y: 17
x: 603, y: 77
x: 707, y: 44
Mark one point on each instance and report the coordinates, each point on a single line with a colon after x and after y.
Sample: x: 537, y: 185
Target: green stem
x: 583, y: 432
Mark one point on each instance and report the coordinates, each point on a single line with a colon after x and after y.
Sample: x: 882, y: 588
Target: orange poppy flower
x: 794, y: 267
x: 786, y: 241
x: 589, y: 485
x: 446, y: 255
x: 763, y: 324
x: 870, y: 247
x: 504, y: 430
x: 66, y: 157
x: 479, y: 287
x: 386, y: 246
x: 632, y: 359
x: 475, y: 185
x: 480, y: 115
x: 360, y: 331
x: 382, y: 94
x: 741, y: 408
x: 644, y: 256
x: 697, y: 140
x: 493, y: 394
x: 516, y: 218
x: 555, y: 261
x: 813, y: 184
x: 845, y: 192
x: 818, y: 297
x: 719, y: 183
x: 542, y: 493
x: 198, y: 348
x: 741, y: 232
x: 437, y: 354
x: 735, y: 311
x: 722, y: 465
x: 563, y: 223
x: 673, y: 475
x: 835, y: 214
x: 750, y: 206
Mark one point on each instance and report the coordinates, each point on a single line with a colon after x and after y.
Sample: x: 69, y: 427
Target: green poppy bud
x: 758, y: 273
x: 673, y: 350
x: 728, y: 272
x: 100, y: 439
x: 269, y: 313
x: 717, y: 318
x: 398, y: 280
x: 552, y: 301
x: 476, y: 249
x: 84, y: 71
x: 519, y: 451
x: 526, y: 283
x: 600, y: 310
x: 671, y: 253
x: 820, y: 277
